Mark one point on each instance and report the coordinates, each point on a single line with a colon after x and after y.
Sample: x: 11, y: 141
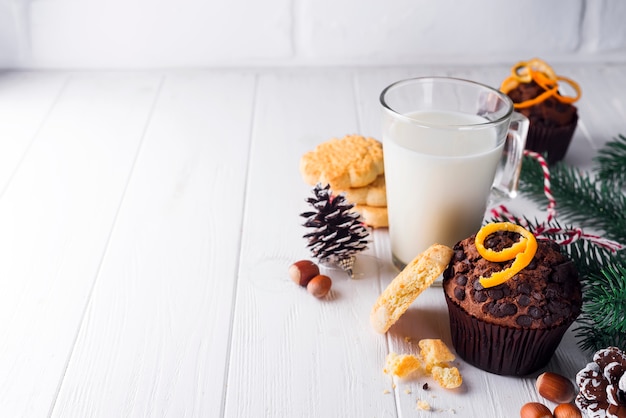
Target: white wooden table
x: 147, y: 221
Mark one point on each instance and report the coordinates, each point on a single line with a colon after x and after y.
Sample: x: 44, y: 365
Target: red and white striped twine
x: 572, y: 234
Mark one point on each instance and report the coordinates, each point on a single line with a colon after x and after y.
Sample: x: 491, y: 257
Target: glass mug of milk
x: 448, y: 145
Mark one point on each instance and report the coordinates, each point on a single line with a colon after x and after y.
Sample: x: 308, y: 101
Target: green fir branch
x: 590, y: 259
x: 592, y: 339
x: 606, y: 299
x: 599, y: 206
x: 603, y: 318
x: 611, y: 162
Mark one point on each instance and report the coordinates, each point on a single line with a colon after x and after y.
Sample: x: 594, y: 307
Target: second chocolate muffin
x: 552, y: 123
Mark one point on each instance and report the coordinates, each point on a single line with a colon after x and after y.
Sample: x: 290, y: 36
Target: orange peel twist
x: 522, y: 252
x: 541, y: 73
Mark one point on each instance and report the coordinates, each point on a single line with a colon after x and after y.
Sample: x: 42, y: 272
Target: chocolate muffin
x: 515, y: 327
x: 552, y: 123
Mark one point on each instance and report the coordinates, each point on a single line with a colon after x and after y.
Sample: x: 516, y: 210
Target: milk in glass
x: 459, y: 166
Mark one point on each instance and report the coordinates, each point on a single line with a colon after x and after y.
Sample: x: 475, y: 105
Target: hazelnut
x: 535, y: 410
x: 555, y: 388
x: 567, y: 410
x: 319, y: 286
x: 303, y: 271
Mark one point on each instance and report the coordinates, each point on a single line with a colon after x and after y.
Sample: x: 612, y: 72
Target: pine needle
x: 611, y: 161
x: 592, y: 339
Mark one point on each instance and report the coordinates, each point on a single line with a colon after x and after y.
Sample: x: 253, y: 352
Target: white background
x: 44, y: 34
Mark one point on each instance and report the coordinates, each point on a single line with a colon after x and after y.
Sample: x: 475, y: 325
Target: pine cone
x: 337, y: 234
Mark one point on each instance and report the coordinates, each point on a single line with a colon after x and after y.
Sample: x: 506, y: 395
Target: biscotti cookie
x: 374, y: 194
x: 417, y: 276
x: 373, y: 216
x: 353, y: 161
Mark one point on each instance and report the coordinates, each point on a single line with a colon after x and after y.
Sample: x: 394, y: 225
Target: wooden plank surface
x: 154, y: 340
x: 147, y: 221
x: 26, y: 100
x: 55, y: 219
x: 291, y: 354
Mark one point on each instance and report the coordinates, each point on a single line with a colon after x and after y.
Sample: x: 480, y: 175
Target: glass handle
x: 507, y: 176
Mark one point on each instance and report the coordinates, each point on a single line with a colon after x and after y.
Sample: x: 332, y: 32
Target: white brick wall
x: 184, y: 33
x: 415, y: 30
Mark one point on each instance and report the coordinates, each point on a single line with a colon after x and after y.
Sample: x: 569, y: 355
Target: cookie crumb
x: 407, y: 391
x: 434, y: 352
x: 423, y: 405
x: 433, y: 361
x: 401, y: 365
x: 447, y: 377
x: 386, y: 392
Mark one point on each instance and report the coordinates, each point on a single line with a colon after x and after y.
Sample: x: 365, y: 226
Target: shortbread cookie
x: 374, y: 194
x: 372, y: 216
x: 353, y: 161
x: 418, y: 275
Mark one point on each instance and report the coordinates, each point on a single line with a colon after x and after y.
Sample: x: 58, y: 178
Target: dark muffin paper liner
x: 502, y: 350
x: 553, y: 140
